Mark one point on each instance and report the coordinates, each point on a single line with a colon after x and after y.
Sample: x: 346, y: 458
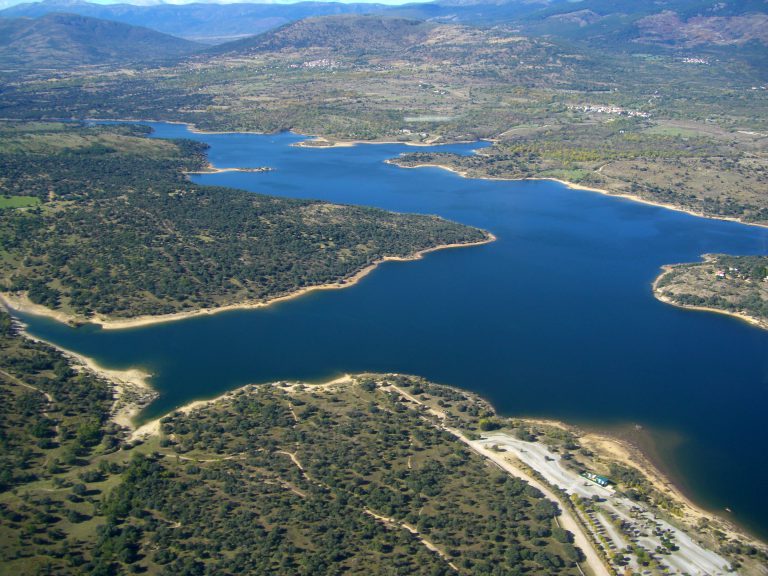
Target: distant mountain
x: 475, y: 12
x: 613, y: 23
x: 663, y: 23
x: 339, y: 34
x: 210, y: 23
x: 65, y: 40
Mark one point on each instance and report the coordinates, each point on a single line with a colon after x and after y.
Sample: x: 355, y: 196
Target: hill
x: 208, y: 23
x: 666, y: 24
x: 65, y: 40
x: 346, y: 34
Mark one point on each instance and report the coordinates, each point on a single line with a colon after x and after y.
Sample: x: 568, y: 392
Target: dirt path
x: 412, y: 529
x: 294, y: 459
x: 47, y: 396
x: 18, y: 382
x: 568, y: 521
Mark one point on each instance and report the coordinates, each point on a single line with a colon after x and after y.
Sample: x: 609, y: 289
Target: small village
x: 614, y: 110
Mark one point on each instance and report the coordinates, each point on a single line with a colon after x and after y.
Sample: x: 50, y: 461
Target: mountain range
x: 65, y: 33
x: 65, y: 40
x: 210, y: 23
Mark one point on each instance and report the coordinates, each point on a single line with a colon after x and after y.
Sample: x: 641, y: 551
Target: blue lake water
x: 555, y: 319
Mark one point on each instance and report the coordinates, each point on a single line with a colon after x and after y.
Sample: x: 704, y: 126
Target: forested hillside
x: 273, y: 479
x: 101, y: 220
x: 209, y: 23
x: 345, y: 34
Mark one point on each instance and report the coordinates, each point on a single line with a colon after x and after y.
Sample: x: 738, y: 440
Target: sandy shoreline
x: 326, y: 143
x: 574, y: 186
x: 21, y: 303
x: 606, y: 445
x: 668, y: 269
x: 303, y: 144
x: 131, y: 386
x: 211, y: 169
x: 350, y: 143
x: 152, y: 427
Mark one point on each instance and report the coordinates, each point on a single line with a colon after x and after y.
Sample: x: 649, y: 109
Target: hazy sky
x: 7, y: 3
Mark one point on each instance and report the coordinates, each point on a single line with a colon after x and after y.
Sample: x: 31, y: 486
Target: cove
x: 556, y: 319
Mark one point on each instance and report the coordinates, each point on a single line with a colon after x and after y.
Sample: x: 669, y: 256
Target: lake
x: 556, y: 319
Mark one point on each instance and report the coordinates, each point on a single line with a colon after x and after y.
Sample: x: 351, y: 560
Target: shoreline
x: 464, y: 174
x: 668, y: 269
x: 593, y: 558
x: 326, y: 143
x: 211, y: 169
x: 625, y: 451
x: 21, y: 303
x: 192, y: 127
x: 134, y: 381
x: 152, y: 427
x: 605, y: 446
x: 582, y: 187
x: 611, y: 446
x: 131, y: 388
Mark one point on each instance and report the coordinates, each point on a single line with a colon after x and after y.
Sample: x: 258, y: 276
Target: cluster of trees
x: 279, y: 481
x: 54, y: 420
x: 124, y: 234
x: 743, y: 289
x: 35, y: 430
x: 270, y: 480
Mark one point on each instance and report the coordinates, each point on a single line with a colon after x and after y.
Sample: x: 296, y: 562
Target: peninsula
x: 308, y: 458
x: 733, y: 285
x: 130, y: 240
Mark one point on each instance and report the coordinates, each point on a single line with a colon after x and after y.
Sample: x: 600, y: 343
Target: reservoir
x: 556, y: 319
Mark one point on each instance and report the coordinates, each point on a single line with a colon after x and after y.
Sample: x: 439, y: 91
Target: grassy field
x: 18, y: 201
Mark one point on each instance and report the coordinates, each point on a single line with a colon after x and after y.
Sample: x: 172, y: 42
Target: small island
x: 733, y: 285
